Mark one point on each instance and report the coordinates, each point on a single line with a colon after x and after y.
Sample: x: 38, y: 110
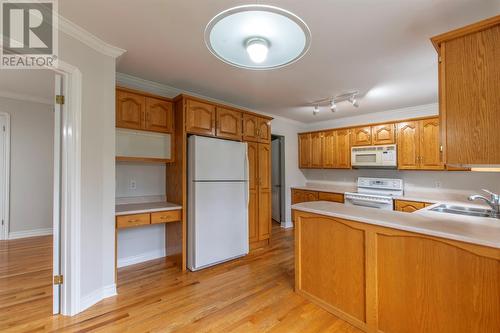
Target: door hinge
x: 60, y: 99
x: 3, y: 222
x: 58, y: 279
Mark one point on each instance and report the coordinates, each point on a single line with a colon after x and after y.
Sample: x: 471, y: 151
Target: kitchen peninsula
x: 390, y: 271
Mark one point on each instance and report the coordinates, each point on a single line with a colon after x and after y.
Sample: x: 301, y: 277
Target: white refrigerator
x: 217, y: 201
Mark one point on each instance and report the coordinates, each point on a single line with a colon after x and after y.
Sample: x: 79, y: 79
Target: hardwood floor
x: 253, y: 294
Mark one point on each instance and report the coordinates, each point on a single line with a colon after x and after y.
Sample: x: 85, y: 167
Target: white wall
x: 97, y: 167
x: 293, y: 175
x: 146, y: 243
x: 31, y: 166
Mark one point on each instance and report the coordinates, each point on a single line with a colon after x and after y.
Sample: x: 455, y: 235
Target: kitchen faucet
x: 493, y: 202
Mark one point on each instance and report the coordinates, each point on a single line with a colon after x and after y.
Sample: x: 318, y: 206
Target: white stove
x: 375, y: 193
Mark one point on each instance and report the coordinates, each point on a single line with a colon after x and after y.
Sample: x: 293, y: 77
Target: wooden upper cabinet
x: 469, y: 98
x: 408, y: 145
x: 329, y: 151
x: 342, y: 149
x: 200, y: 118
x: 229, y: 124
x: 430, y: 147
x: 361, y: 136
x: 305, y: 150
x: 383, y: 134
x: 316, y: 150
x: 419, y: 145
x: 159, y: 115
x: 130, y: 110
x: 264, y: 131
x: 250, y: 128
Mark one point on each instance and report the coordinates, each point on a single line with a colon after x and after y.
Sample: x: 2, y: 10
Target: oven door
x: 355, y: 199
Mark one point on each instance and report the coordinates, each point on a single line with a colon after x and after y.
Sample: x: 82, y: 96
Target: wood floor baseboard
x: 30, y: 233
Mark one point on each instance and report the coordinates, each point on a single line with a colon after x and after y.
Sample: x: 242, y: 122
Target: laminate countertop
x: 429, y: 196
x: 146, y: 207
x: 475, y: 230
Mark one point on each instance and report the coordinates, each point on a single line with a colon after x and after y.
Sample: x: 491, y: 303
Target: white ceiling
x: 380, y: 47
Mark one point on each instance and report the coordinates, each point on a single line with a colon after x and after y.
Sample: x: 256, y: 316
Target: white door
x: 276, y: 180
x: 58, y: 113
x: 4, y: 176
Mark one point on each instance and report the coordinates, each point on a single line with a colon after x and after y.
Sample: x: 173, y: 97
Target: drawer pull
x: 164, y: 217
x: 133, y: 221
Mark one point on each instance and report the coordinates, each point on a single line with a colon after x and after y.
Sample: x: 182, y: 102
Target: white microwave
x: 374, y: 157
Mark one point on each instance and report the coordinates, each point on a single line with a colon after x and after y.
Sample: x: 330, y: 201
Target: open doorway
x: 278, y: 178
x: 30, y: 192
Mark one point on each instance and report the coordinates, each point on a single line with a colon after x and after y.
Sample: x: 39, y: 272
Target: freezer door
x: 217, y: 223
x: 216, y: 160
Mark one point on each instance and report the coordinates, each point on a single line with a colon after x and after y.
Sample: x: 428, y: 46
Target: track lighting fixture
x: 332, y: 101
x: 333, y: 106
x: 316, y: 110
x: 354, y: 102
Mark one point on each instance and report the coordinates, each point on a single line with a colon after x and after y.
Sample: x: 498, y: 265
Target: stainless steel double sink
x: 461, y: 210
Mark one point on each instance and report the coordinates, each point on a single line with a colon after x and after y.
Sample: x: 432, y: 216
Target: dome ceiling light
x: 257, y: 37
x: 332, y: 101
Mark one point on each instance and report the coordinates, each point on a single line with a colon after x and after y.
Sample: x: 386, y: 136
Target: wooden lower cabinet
x: 409, y: 206
x: 333, y: 197
x: 299, y: 196
x: 259, y: 206
x: 392, y: 281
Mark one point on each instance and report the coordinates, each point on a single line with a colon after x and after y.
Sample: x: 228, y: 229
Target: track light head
x: 354, y: 102
x: 316, y: 110
x: 333, y: 106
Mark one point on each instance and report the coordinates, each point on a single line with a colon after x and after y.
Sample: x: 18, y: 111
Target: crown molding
x: 25, y: 97
x: 134, y: 82
x: 87, y: 38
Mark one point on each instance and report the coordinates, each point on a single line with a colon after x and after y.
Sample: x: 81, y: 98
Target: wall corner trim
x: 97, y: 296
x: 88, y: 39
x: 287, y: 224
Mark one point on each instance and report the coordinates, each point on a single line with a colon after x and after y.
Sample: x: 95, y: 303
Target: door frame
x: 4, y: 235
x: 70, y: 210
x: 282, y: 191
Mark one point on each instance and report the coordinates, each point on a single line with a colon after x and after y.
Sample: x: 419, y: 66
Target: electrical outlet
x: 438, y: 184
x: 132, y: 185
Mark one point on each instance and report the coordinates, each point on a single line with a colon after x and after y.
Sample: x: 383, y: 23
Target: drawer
x: 409, y: 206
x: 334, y: 197
x: 166, y: 216
x: 128, y: 221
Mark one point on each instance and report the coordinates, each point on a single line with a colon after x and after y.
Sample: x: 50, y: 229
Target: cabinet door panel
x: 334, y: 197
x: 408, y: 145
x: 200, y: 118
x: 253, y: 202
x: 264, y: 191
x: 316, y: 149
x: 130, y: 110
x: 159, y: 115
x: 430, y: 152
x: 361, y: 136
x: 229, y: 124
x: 264, y: 130
x: 305, y: 150
x: 250, y: 128
x: 408, y: 206
x: 343, y: 149
x: 329, y: 150
x: 383, y: 134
